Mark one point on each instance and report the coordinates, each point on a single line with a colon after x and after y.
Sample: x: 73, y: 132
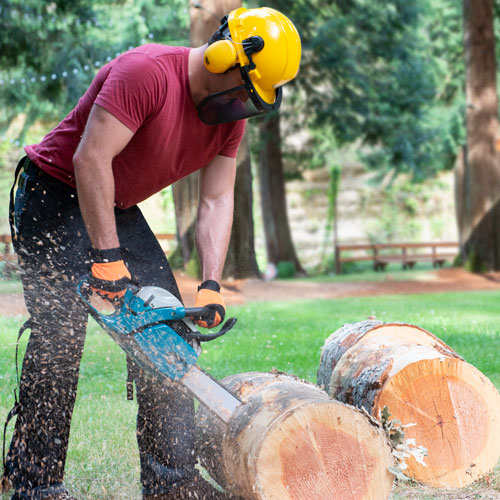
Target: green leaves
x: 50, y: 51
x: 386, y: 74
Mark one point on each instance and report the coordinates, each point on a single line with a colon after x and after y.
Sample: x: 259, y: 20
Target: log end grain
x: 323, y: 450
x: 457, y: 412
x: 422, y: 381
x: 290, y: 441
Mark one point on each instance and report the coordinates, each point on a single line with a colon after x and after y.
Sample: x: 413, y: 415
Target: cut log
x: 422, y: 381
x: 290, y: 441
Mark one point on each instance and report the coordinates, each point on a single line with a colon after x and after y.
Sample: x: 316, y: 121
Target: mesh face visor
x: 223, y: 107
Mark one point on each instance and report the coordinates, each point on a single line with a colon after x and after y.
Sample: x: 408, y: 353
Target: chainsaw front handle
x: 198, y: 312
x: 139, y: 314
x: 206, y: 337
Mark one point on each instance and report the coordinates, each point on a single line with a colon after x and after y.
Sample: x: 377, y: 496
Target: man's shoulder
x: 153, y: 51
x: 154, y: 61
x: 236, y: 127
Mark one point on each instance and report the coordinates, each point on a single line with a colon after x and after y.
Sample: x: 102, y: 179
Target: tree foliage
x: 386, y: 75
x: 50, y: 51
x: 383, y: 74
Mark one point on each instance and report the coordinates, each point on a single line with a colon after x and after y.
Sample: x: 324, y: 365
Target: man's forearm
x: 96, y: 194
x: 213, y: 232
x: 104, y: 137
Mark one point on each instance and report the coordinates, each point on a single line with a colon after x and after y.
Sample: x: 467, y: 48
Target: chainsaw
x: 155, y: 330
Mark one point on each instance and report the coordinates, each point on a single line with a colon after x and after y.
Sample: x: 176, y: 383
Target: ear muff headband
x: 221, y: 56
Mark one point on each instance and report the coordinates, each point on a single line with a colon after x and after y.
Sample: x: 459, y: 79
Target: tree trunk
x: 279, y: 244
x: 205, y: 18
x: 422, y: 381
x: 185, y: 194
x: 459, y: 175
x: 290, y: 441
x: 480, y: 209
x: 241, y: 261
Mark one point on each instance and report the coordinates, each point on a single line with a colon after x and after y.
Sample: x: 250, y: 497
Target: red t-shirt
x: 147, y: 89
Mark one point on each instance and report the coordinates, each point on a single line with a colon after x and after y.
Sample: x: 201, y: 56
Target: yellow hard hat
x: 266, y: 45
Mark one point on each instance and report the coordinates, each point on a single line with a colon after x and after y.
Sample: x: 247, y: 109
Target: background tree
x: 50, y: 51
x: 278, y: 237
x: 241, y: 260
x: 367, y: 73
x: 479, y: 173
x: 279, y: 244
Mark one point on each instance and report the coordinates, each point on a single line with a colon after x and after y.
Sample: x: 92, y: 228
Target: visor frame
x: 254, y: 95
x: 214, y: 109
x: 261, y: 104
x: 209, y: 106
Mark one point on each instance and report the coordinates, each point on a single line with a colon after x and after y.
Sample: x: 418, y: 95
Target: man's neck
x: 198, y: 75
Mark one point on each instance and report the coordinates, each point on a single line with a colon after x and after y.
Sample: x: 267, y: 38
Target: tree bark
x: 422, y: 381
x: 290, y: 441
x: 241, y: 261
x: 185, y: 194
x: 480, y: 208
x: 279, y: 244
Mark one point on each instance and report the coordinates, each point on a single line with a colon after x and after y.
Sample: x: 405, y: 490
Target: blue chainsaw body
x: 144, y: 327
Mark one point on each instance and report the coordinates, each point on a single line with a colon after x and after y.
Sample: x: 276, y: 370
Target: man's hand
x: 208, y: 296
x: 109, y: 276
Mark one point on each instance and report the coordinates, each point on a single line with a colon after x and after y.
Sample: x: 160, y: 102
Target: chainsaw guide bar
x: 157, y: 332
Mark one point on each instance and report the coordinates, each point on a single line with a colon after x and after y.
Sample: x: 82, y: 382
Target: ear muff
x: 220, y: 56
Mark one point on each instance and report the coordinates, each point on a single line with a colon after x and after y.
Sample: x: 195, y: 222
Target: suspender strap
x: 15, y: 409
x: 12, y: 413
x: 5, y: 484
x: 26, y: 326
x: 23, y: 163
x: 130, y: 380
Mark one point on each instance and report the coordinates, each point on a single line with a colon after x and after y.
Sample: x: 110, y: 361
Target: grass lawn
x: 102, y: 461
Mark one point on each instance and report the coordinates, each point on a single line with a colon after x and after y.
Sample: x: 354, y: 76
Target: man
x: 150, y: 117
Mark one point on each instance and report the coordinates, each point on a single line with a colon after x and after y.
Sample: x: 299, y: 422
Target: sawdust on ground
x: 242, y: 291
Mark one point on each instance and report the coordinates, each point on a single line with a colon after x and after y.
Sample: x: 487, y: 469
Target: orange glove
x: 208, y: 296
x: 109, y: 275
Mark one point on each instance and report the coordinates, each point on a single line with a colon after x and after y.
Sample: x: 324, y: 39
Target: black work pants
x: 52, y: 247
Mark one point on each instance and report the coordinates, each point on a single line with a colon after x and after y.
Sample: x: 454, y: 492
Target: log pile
x: 421, y: 380
x: 290, y: 441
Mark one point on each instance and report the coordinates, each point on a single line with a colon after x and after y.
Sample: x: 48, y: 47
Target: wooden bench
x: 408, y: 254
x: 8, y: 255
x: 165, y: 236
x: 164, y: 239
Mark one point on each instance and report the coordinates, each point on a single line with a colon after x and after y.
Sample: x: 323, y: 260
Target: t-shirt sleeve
x: 230, y: 148
x: 131, y: 90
